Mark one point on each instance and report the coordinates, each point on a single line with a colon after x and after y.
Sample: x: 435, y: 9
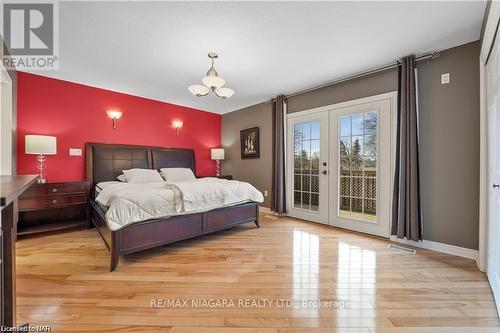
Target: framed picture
x: 250, y: 147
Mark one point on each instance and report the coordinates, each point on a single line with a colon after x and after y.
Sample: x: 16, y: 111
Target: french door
x: 308, y: 167
x: 339, y: 165
x: 360, y: 182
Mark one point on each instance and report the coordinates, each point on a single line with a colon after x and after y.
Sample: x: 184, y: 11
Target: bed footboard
x: 148, y: 234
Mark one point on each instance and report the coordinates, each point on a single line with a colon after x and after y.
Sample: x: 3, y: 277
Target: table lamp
x: 217, y: 155
x: 40, y: 145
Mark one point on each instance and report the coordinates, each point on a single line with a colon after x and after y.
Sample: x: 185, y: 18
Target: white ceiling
x: 157, y: 49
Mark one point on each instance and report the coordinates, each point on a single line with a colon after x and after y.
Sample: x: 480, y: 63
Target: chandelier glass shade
x: 211, y: 82
x: 198, y: 90
x: 224, y: 92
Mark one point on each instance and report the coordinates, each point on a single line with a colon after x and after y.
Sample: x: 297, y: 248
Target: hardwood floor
x: 63, y: 281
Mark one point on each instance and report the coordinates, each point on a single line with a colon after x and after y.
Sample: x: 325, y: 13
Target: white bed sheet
x: 131, y: 203
x: 99, y: 186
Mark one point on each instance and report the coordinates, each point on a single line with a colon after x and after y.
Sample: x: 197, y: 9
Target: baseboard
x: 441, y: 247
x: 425, y: 244
x: 266, y: 210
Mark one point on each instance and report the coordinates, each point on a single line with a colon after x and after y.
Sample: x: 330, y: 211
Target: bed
x: 106, y: 161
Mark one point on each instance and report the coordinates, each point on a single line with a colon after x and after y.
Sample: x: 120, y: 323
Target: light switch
x: 75, y: 152
x: 265, y: 193
x: 445, y: 78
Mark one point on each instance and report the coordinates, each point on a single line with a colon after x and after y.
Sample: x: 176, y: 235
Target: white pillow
x: 177, y: 174
x: 122, y: 178
x: 100, y: 186
x: 142, y: 176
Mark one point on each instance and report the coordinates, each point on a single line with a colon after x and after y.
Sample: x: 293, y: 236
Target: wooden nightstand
x: 53, y: 206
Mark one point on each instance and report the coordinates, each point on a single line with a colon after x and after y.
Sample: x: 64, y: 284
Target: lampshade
x: 177, y: 123
x: 114, y: 114
x: 213, y: 81
x: 198, y: 90
x: 217, y: 154
x: 224, y: 92
x: 40, y: 144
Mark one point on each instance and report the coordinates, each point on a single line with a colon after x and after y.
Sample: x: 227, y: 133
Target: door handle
x: 496, y: 185
x: 324, y: 172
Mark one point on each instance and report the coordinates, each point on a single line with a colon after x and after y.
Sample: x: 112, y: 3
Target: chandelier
x: 211, y: 82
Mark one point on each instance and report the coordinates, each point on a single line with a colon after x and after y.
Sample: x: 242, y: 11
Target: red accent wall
x: 76, y: 114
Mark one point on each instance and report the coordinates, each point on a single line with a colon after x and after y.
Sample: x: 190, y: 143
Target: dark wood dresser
x: 53, y: 206
x: 11, y: 187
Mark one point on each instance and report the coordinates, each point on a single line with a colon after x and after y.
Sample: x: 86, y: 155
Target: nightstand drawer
x: 55, y: 188
x: 53, y: 206
x: 51, y: 201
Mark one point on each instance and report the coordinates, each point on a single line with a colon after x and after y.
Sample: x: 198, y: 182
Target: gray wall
x: 449, y: 124
x: 449, y: 146
x: 363, y: 87
x: 255, y: 171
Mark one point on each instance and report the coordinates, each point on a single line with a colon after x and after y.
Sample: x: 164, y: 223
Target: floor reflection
x: 356, y: 274
x: 305, y: 266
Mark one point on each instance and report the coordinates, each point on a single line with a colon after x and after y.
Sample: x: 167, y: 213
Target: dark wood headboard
x: 173, y: 158
x: 106, y: 161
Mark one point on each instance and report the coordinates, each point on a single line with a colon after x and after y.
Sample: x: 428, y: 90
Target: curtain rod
x: 427, y: 56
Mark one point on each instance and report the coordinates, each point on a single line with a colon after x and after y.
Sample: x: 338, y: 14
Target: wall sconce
x: 177, y: 124
x: 113, y: 114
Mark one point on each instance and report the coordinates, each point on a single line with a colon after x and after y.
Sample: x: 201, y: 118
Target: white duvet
x: 131, y: 202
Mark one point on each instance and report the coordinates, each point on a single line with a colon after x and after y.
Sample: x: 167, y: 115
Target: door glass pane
x: 306, y: 183
x: 297, y: 200
x: 314, y: 201
x: 315, y: 154
x: 306, y: 165
x: 358, y: 166
x: 315, y: 131
x: 369, y: 210
x: 357, y: 124
x: 357, y: 146
x: 315, y: 184
x: 345, y: 169
x: 297, y: 183
x: 345, y: 146
x: 305, y: 200
x: 345, y: 207
x: 357, y: 208
x: 345, y: 126
x: 370, y: 133
x: 306, y: 130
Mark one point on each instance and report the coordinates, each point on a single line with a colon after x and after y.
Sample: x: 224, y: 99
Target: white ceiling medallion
x: 211, y: 82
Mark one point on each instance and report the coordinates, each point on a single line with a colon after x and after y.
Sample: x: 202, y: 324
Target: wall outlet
x: 75, y: 152
x: 265, y: 193
x: 445, y: 78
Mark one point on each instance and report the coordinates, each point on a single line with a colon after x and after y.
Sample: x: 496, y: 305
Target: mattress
x: 98, y: 188
x: 127, y: 203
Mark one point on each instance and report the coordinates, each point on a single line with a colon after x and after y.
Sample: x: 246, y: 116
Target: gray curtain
x: 406, y: 212
x: 278, y: 199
